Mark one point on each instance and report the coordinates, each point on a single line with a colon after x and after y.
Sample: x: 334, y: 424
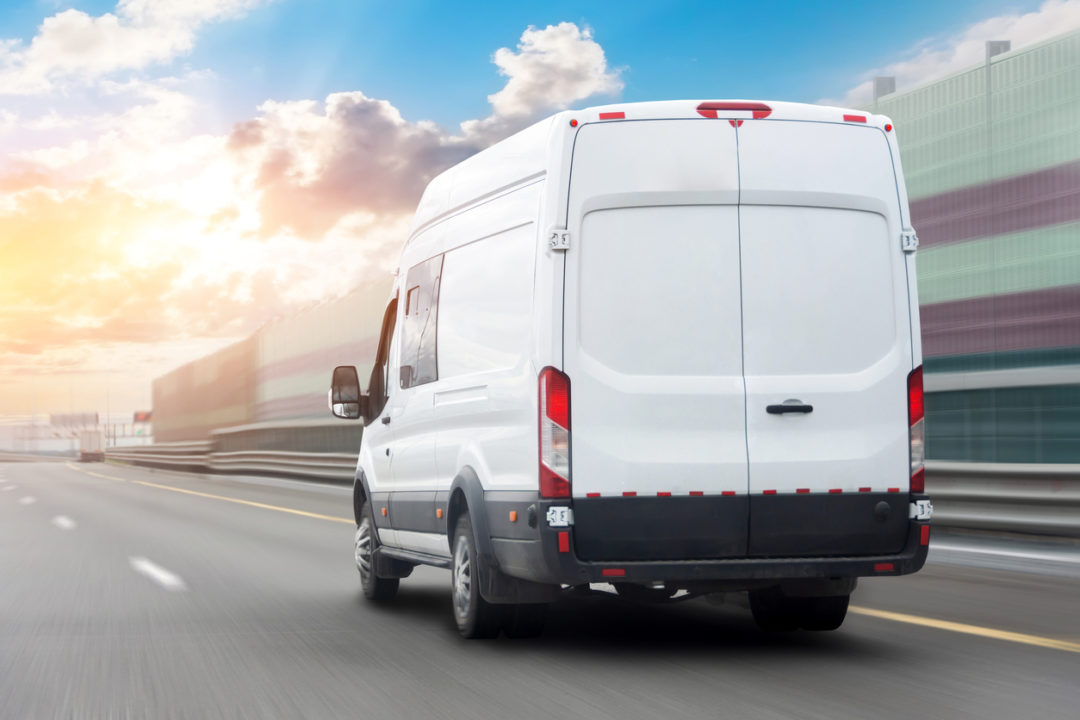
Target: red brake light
x: 554, y: 428
x: 855, y: 118
x: 917, y: 430
x: 713, y: 109
x: 915, y: 396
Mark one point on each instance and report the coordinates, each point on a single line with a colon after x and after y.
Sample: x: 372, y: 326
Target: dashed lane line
x: 63, y: 522
x: 166, y: 579
x: 9, y: 488
x: 28, y: 500
x: 250, y: 503
x: 963, y: 628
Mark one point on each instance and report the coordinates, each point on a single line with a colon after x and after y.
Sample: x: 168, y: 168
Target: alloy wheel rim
x: 363, y: 549
x: 462, y: 579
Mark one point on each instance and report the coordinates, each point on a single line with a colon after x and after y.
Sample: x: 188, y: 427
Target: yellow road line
x: 956, y: 627
x: 238, y: 501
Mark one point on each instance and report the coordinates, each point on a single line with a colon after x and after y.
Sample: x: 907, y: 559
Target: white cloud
x: 314, y: 163
x: 551, y: 69
x: 75, y: 45
x: 934, y: 58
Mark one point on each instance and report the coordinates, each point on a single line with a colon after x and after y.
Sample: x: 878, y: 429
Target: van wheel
x: 475, y: 616
x: 775, y: 612
x: 375, y: 588
x: 524, y: 620
x: 824, y: 613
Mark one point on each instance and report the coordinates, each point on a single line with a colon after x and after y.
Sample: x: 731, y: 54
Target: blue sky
x: 433, y: 59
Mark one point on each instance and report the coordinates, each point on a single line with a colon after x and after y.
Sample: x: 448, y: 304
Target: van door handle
x: 789, y: 406
x: 386, y: 420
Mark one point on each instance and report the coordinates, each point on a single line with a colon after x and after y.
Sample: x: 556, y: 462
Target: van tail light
x: 917, y: 430
x: 554, y: 434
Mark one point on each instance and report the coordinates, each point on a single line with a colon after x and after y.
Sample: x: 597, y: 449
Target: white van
x: 670, y: 346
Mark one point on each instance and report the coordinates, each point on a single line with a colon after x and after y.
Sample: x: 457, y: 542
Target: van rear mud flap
x: 660, y: 528
x: 823, y: 525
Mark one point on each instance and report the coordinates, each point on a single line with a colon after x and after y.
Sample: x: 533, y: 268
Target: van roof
x: 524, y: 155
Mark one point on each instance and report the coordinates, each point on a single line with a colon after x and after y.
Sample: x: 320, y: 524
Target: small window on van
x: 418, y: 361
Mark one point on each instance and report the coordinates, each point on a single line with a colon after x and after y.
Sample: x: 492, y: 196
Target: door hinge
x: 559, y: 239
x: 909, y: 241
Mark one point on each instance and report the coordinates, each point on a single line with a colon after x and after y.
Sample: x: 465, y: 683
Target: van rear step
x: 717, y: 527
x: 660, y: 528
x: 828, y: 525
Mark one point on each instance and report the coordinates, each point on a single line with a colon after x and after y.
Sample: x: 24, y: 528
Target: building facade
x: 991, y: 156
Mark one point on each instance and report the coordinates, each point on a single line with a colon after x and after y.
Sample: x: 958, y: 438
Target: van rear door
x: 827, y: 341
x: 652, y: 342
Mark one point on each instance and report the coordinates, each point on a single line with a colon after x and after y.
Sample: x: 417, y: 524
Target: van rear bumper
x: 547, y: 560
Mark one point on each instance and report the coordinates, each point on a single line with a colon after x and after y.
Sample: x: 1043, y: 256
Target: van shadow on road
x: 608, y: 625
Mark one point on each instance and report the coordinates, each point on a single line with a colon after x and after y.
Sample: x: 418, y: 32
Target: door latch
x: 909, y: 241
x: 559, y: 239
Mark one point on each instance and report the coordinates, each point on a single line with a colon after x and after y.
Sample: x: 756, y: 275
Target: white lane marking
x: 63, y: 522
x: 164, y: 578
x: 1001, y: 552
x: 9, y: 488
x: 28, y: 500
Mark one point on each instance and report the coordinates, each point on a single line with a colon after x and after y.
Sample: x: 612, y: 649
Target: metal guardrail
x: 200, y: 456
x: 1039, y: 499
x: 175, y: 456
x: 338, y: 467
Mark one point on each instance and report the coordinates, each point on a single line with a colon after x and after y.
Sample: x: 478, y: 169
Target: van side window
x: 378, y: 385
x: 418, y: 336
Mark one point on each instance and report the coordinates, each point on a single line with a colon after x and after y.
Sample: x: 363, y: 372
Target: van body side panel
x: 653, y: 340
x: 826, y: 325
x: 484, y: 405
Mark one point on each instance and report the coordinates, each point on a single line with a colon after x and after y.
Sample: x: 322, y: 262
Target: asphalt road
x: 121, y: 596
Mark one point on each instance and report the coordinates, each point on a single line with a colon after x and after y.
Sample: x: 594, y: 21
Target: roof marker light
x: 613, y: 116
x: 888, y: 127
x: 713, y: 109
x: 573, y: 122
x: 855, y: 118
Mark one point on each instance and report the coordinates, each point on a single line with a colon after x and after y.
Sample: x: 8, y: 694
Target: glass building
x: 992, y: 161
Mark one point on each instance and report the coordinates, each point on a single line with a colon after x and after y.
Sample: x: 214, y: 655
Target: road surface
x: 126, y: 592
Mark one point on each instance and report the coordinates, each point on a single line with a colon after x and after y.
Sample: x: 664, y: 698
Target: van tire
x: 824, y: 613
x: 525, y: 620
x: 375, y: 588
x: 775, y: 612
x: 475, y: 616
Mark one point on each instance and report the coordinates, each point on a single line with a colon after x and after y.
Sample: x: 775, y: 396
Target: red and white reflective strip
x: 716, y: 110
x: 916, y: 430
x: 554, y: 434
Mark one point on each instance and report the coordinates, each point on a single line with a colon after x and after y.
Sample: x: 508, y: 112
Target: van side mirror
x: 346, y: 399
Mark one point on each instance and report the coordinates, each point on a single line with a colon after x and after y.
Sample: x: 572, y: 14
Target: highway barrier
x: 1041, y: 499
x: 1035, y: 499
